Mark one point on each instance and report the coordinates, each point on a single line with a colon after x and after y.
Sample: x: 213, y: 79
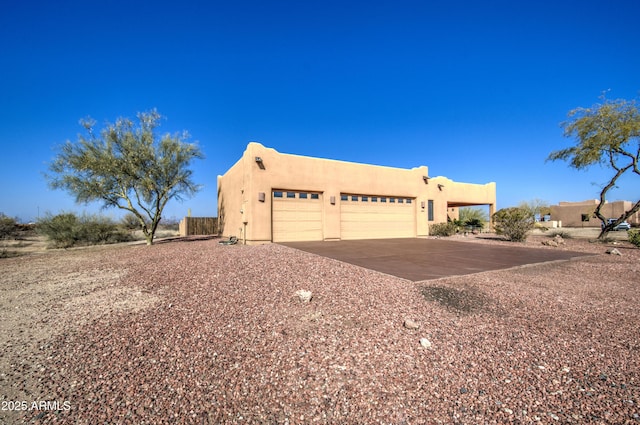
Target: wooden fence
x: 190, y: 226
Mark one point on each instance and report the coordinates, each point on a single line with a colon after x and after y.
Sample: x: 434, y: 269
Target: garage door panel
x: 376, y: 220
x: 297, y: 218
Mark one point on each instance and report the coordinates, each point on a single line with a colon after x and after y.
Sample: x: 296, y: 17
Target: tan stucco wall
x: 239, y: 189
x: 570, y: 213
x: 231, y: 200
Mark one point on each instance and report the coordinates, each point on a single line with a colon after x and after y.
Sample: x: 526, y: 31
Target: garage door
x: 297, y: 216
x: 376, y: 217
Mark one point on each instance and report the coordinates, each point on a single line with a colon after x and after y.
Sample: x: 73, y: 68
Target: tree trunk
x: 605, y: 231
x: 607, y: 228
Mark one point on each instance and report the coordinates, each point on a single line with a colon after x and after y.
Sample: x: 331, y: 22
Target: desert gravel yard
x: 197, y: 332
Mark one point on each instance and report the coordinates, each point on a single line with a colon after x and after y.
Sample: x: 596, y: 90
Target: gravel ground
x: 196, y: 332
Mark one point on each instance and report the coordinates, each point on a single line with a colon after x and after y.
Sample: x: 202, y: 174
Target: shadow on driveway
x: 426, y: 259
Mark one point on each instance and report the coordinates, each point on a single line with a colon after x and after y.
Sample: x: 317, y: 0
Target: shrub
x: 67, y: 230
x: 634, y: 236
x: 170, y: 223
x: 442, y: 229
x: 61, y: 229
x: 8, y: 227
x: 130, y: 222
x: 513, y: 223
x: 561, y: 233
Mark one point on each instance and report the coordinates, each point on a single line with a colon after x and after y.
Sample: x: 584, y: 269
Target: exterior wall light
x: 422, y: 204
x: 332, y: 199
x: 261, y: 196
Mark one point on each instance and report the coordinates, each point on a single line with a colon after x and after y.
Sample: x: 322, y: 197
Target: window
x: 303, y: 195
x: 291, y: 194
x: 430, y: 210
x: 374, y: 199
x: 365, y: 199
x: 315, y: 196
x: 344, y: 197
x: 277, y: 194
x: 400, y: 200
x: 392, y: 200
x: 408, y: 201
x: 354, y: 198
x: 383, y: 199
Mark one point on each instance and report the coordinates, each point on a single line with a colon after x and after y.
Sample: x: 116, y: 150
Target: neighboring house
x: 268, y: 196
x: 581, y: 214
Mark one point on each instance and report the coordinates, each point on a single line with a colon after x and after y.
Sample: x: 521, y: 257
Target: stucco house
x: 581, y: 214
x: 269, y: 196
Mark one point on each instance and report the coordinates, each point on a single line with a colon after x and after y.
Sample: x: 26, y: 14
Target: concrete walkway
x: 425, y: 259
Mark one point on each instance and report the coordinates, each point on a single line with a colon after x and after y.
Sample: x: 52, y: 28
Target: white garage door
x: 376, y: 217
x: 297, y: 216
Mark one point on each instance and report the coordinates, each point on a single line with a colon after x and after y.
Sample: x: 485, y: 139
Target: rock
x: 613, y: 251
x: 550, y: 243
x: 425, y: 342
x: 304, y: 295
x: 559, y: 239
x: 411, y: 324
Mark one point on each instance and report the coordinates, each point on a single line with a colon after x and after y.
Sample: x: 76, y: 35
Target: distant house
x: 269, y: 196
x: 581, y: 214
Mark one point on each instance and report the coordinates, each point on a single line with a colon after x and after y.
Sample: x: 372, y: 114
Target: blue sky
x: 474, y: 90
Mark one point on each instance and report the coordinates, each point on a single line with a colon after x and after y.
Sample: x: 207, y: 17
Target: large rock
x: 613, y: 251
x: 411, y: 324
x: 425, y: 342
x: 559, y: 239
x: 550, y: 243
x: 304, y: 295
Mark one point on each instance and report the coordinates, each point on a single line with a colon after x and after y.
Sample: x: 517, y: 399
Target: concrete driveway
x: 425, y: 259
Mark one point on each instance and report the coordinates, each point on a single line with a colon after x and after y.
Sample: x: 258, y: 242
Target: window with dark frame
x: 277, y: 194
x: 291, y: 194
x: 430, y: 210
x: 344, y: 197
x: 315, y: 196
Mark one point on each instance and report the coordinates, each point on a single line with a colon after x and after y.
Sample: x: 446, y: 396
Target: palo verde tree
x: 536, y: 206
x: 128, y: 166
x: 607, y: 134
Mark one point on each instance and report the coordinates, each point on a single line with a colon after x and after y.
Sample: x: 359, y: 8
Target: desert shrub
x: 130, y: 222
x: 60, y: 229
x: 442, y: 229
x: 634, y: 236
x: 170, y: 223
x: 561, y: 233
x: 541, y: 227
x: 513, y: 223
x: 67, y: 230
x: 5, y: 253
x: 8, y: 227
